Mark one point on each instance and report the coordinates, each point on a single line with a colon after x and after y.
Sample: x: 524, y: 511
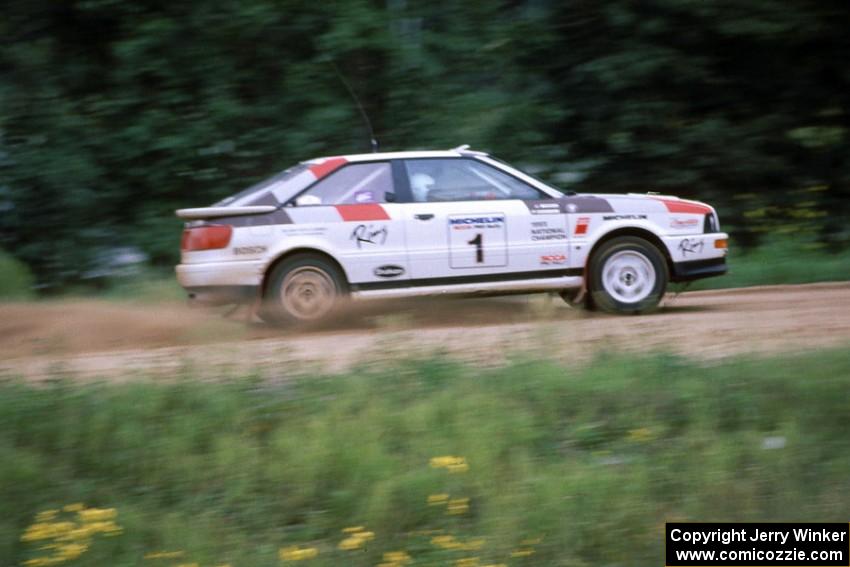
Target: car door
x: 349, y: 214
x: 468, y: 221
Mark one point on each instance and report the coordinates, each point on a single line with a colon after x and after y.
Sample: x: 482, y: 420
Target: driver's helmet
x: 420, y: 184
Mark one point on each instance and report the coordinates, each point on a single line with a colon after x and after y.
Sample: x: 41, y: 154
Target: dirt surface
x: 90, y: 339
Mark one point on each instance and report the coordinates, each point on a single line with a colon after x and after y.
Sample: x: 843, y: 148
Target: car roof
x: 457, y: 152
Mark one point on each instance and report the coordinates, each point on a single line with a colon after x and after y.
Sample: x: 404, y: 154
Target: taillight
x: 209, y: 237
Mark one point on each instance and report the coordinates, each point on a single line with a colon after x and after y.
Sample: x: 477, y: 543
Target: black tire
x: 627, y: 275
x: 303, y: 288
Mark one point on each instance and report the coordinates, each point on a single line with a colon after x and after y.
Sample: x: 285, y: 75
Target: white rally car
x: 438, y: 222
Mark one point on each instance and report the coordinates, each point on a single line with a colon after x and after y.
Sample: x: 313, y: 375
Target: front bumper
x: 698, y: 269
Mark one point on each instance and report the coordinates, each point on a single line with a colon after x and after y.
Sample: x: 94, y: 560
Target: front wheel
x: 627, y: 275
x: 303, y: 288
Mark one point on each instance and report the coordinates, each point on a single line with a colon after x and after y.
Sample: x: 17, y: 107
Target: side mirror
x: 389, y: 197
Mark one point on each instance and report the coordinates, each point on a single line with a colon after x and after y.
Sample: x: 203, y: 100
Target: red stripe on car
x: 327, y: 166
x: 365, y: 212
x: 685, y: 207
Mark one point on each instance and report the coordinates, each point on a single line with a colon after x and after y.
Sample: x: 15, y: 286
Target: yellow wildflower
x: 68, y: 540
x: 96, y: 514
x: 467, y: 562
x: 353, y: 529
x: 350, y: 543
x: 163, y: 555
x: 47, y: 530
x: 641, y: 435
x: 452, y: 464
x: 294, y: 553
x: 458, y: 506
x: 445, y: 541
x: 396, y: 557
x: 46, y: 516
x: 437, y: 499
x: 71, y: 550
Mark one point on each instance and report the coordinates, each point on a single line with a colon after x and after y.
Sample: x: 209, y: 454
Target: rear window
x: 257, y: 193
x: 354, y: 184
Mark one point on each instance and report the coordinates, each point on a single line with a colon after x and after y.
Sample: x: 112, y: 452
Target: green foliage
x: 112, y: 113
x: 591, y: 460
x: 16, y: 281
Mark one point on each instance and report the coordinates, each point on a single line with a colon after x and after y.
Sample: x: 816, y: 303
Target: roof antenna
x: 372, y: 140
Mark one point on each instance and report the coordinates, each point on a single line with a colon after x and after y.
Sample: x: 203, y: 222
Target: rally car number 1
x: 478, y: 240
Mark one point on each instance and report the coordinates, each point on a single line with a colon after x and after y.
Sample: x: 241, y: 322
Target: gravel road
x: 93, y: 339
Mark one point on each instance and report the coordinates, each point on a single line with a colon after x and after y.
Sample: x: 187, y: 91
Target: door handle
x: 427, y: 216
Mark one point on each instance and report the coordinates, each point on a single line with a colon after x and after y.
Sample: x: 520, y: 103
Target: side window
x: 433, y: 180
x: 352, y: 185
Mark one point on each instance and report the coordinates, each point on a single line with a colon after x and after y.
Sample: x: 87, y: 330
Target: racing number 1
x: 467, y: 233
x: 478, y: 242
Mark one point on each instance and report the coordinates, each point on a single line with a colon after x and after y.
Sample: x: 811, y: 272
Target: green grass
x: 591, y: 460
x: 16, y: 281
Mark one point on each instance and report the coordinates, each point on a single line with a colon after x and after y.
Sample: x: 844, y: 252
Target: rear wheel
x: 627, y: 275
x: 303, y: 288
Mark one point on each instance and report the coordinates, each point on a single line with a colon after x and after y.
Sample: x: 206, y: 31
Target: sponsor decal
x: 683, y: 223
x: 477, y: 220
x: 691, y: 246
x: 541, y: 231
x: 239, y: 250
x: 369, y: 234
x: 553, y: 259
x: 389, y: 271
x: 478, y: 240
x: 623, y: 217
x: 482, y: 221
x: 545, y: 208
x: 581, y: 225
x: 305, y: 231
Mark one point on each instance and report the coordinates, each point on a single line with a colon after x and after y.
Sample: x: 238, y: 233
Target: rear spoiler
x: 213, y: 212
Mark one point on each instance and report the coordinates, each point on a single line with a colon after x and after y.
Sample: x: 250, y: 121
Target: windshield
x: 533, y: 177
